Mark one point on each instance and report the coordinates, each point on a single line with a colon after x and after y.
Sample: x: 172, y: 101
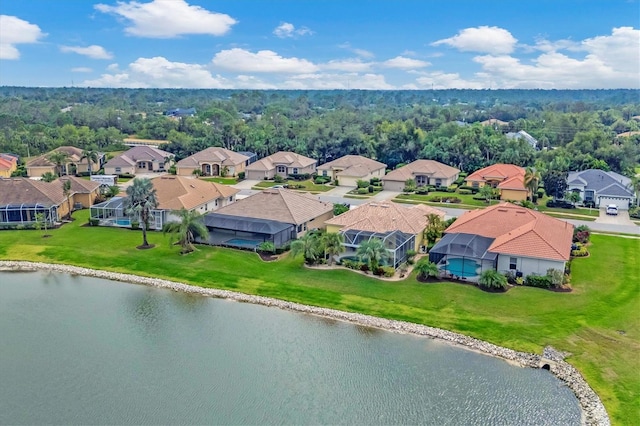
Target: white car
x: 612, y: 209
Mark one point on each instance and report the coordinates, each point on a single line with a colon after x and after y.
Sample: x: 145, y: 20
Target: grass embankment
x: 300, y: 185
x: 598, y: 322
x: 222, y: 180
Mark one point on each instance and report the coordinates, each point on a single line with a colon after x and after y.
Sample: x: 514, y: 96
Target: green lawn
x: 224, y: 181
x: 599, y: 322
x: 308, y: 185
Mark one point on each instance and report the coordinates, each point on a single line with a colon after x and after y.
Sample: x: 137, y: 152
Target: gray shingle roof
x: 604, y: 183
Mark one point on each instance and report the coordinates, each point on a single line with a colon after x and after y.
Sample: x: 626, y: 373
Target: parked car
x: 560, y: 204
x: 612, y: 209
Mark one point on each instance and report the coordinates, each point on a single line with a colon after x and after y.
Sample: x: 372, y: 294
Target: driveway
x: 622, y: 218
x: 245, y: 184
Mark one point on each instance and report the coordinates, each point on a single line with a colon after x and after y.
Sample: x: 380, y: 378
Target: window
x: 438, y: 182
x: 475, y: 184
x: 118, y: 170
x: 206, y: 207
x: 231, y: 199
x: 216, y: 202
x: 281, y: 169
x: 324, y: 173
x: 513, y: 263
x: 299, y: 228
x: 295, y: 171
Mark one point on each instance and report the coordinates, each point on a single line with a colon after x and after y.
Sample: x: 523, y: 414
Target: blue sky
x: 328, y: 44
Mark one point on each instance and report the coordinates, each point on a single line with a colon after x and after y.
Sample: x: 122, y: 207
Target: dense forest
x: 575, y: 129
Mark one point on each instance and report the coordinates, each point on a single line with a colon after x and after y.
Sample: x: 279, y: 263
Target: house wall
x: 316, y: 223
x: 333, y: 228
x: 353, y: 180
x: 185, y: 171
x: 529, y: 265
x: 392, y: 185
x: 87, y: 200
x: 6, y: 173
x: 39, y: 171
x: 123, y: 170
x: 510, y: 194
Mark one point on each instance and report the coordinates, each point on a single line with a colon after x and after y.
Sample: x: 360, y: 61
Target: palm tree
x: 373, y: 252
x: 141, y: 199
x: 492, y: 280
x: 434, y: 228
x: 332, y: 244
x: 59, y: 158
x: 531, y: 180
x: 487, y: 192
x: 48, y: 177
x: 308, y: 246
x: 91, y: 156
x: 66, y: 191
x: 426, y: 269
x: 185, y: 231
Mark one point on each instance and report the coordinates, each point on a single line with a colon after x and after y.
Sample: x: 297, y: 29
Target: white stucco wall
x: 529, y: 265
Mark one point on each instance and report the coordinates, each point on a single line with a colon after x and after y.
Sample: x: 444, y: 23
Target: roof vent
x: 503, y: 210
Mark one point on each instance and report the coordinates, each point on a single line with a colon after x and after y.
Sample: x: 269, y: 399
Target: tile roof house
x: 75, y: 164
x: 349, y: 169
x: 139, y: 159
x: 424, y: 172
x: 276, y: 215
x: 173, y: 194
x: 504, y: 237
x: 8, y: 165
x: 281, y: 163
x: 507, y: 178
x: 21, y: 199
x: 213, y: 161
x: 399, y: 226
x: 494, y: 122
x: 602, y: 188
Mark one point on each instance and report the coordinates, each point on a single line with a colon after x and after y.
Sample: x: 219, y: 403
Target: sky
x: 321, y: 44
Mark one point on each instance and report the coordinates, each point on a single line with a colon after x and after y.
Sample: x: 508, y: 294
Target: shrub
x: 540, y: 193
x: 540, y: 281
x: 581, y: 234
x: 470, y: 188
x: 375, y: 181
x: 634, y: 212
x: 338, y: 209
x: 362, y: 183
x: 435, y: 199
x: 364, y: 267
x: 556, y: 276
x: 278, y: 179
x: 492, y: 280
x: 267, y: 246
x: 388, y: 271
x: 463, y: 174
x: 300, y: 176
x: 579, y: 250
x: 135, y: 225
x: 241, y: 176
x: 321, y: 180
x: 370, y: 189
x: 362, y: 191
x: 465, y: 191
x: 94, y: 222
x: 423, y: 190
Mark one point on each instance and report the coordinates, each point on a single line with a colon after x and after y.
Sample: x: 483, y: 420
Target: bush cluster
x: 540, y: 281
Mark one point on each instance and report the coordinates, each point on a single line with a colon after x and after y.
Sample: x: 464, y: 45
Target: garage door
x: 622, y: 203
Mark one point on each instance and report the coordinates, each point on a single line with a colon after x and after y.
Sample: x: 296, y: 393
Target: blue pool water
x: 462, y: 267
x: 123, y: 222
x: 242, y: 243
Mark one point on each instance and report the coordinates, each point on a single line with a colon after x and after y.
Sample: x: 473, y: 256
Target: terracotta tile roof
x: 493, y: 121
x: 75, y: 154
x: 518, y: 231
x: 28, y: 191
x: 214, y: 155
x: 80, y: 186
x: 385, y: 217
x: 430, y: 168
x: 514, y: 183
x: 281, y: 205
x: 496, y: 172
x: 289, y: 159
x: 353, y: 165
x: 176, y: 192
x: 138, y: 153
x: 7, y: 162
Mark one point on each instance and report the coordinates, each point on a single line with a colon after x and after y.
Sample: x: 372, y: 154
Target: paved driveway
x: 622, y: 218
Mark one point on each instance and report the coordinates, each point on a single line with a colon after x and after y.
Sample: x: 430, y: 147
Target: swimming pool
x: 462, y: 267
x: 123, y: 222
x: 239, y: 242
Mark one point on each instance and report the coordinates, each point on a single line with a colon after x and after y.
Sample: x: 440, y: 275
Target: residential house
x: 75, y: 163
x: 281, y: 163
x: 602, y: 188
x: 139, y: 159
x: 507, y: 178
x: 494, y: 122
x: 348, y: 170
x: 21, y: 199
x: 8, y: 165
x: 504, y: 237
x: 173, y: 193
x: 274, y: 215
x: 131, y: 142
x: 214, y: 161
x: 180, y: 112
x: 399, y: 226
x: 423, y: 172
x: 523, y: 135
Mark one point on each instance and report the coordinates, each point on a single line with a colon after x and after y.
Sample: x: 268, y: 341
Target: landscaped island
x: 596, y: 323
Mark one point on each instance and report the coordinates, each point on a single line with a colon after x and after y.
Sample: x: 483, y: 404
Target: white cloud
x: 93, y: 51
x: 264, y: 61
x: 347, y: 65
x: 169, y: 18
x: 360, y: 52
x: 159, y: 72
x: 13, y: 31
x: 319, y: 81
x: 441, y: 80
x: 81, y: 69
x: 287, y: 29
x: 610, y: 62
x: 405, y: 63
x: 493, y: 40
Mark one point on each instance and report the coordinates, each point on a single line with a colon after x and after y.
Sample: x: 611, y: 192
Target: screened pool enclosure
x: 396, y: 242
x: 25, y: 214
x: 111, y: 213
x: 463, y: 256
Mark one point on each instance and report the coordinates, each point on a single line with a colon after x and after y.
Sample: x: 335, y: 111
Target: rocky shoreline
x: 593, y: 410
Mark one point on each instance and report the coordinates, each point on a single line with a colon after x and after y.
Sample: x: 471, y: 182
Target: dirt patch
x: 267, y: 257
x: 146, y: 247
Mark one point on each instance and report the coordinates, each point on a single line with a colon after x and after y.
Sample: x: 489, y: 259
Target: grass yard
x: 224, y: 181
x: 307, y: 185
x: 599, y: 322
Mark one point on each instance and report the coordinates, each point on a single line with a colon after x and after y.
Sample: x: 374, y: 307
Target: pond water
x: 78, y: 350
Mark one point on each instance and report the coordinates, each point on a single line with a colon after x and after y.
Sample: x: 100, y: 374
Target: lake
x: 80, y: 350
